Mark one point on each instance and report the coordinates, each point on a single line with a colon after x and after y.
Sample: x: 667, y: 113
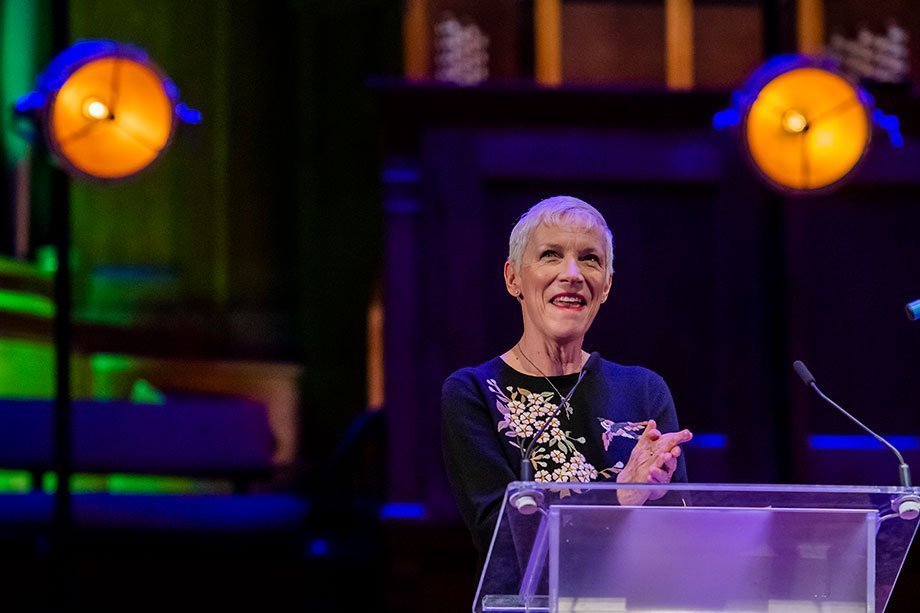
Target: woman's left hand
x: 652, y: 460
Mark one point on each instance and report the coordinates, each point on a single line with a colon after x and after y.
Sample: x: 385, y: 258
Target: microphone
x: 913, y: 310
x: 527, y: 501
x: 907, y: 506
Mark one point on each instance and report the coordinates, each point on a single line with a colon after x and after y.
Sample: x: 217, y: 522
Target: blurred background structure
x: 263, y: 320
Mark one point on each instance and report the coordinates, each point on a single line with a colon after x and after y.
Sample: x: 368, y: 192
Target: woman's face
x: 562, y: 279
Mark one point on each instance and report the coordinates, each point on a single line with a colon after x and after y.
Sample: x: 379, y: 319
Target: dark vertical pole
x: 779, y: 38
x: 779, y: 27
x: 526, y: 62
x: 62, y: 523
x: 62, y: 344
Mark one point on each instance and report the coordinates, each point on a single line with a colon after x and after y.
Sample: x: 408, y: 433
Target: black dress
x: 491, y: 412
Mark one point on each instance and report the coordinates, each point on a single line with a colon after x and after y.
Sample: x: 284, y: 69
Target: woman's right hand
x: 652, y: 460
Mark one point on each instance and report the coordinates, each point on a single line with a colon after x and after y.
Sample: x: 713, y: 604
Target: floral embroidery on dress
x: 555, y: 456
x: 627, y: 429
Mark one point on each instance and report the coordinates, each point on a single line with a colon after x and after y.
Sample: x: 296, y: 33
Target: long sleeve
x: 476, y: 465
x: 665, y: 416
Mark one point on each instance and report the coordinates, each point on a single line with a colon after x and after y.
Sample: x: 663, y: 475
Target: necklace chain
x: 568, y: 406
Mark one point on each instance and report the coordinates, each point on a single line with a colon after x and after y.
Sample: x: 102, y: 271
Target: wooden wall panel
x: 617, y: 43
x: 728, y: 44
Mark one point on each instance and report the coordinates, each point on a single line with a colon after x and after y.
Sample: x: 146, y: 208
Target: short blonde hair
x: 558, y: 211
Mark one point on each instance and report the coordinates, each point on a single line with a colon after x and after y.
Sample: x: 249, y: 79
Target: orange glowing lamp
x: 804, y: 126
x: 807, y: 129
x: 106, y: 110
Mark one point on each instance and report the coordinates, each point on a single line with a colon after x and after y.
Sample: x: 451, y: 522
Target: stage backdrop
x: 719, y: 285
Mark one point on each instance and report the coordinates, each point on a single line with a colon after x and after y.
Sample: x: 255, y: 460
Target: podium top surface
x: 828, y: 490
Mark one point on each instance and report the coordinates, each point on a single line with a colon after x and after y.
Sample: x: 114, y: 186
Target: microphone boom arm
x: 903, y: 467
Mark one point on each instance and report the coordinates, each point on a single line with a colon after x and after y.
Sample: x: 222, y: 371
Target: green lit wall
x: 254, y: 222
x: 26, y: 369
x: 21, y: 482
x: 266, y: 213
x: 24, y: 49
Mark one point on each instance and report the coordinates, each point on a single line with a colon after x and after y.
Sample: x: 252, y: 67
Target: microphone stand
x: 906, y: 506
x: 530, y: 499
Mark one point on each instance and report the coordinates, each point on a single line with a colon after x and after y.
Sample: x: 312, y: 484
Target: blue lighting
x: 891, y: 125
x: 83, y: 52
x: 30, y: 102
x: 743, y: 98
x: 402, y: 175
x: 132, y: 272
x: 403, y: 510
x: 80, y: 53
x: 319, y: 547
x: 709, y: 441
x: 188, y: 115
x: 729, y: 118
x: 859, y: 442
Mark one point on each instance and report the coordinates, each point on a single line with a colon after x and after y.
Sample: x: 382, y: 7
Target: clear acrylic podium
x: 701, y: 547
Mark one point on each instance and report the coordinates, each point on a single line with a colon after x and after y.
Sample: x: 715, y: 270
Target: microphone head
x: 913, y: 310
x: 802, y: 371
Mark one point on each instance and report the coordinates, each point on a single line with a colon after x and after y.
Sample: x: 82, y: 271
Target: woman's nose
x: 571, y: 269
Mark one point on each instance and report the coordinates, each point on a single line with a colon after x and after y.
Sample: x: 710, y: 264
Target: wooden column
x: 375, y: 355
x: 416, y: 41
x: 679, y: 44
x: 22, y: 206
x: 547, y: 23
x: 810, y: 26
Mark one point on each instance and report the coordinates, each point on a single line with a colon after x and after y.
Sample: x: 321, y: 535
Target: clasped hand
x: 653, y: 460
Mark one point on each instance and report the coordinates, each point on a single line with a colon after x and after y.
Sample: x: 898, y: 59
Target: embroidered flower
x: 524, y: 413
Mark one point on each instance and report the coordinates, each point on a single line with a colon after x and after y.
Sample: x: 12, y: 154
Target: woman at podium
x: 619, y: 422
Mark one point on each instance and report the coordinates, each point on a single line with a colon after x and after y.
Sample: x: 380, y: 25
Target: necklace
x: 568, y: 406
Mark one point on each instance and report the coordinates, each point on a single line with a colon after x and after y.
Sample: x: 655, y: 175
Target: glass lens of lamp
x: 95, y: 109
x: 837, y: 129
x: 794, y: 122
x: 139, y: 116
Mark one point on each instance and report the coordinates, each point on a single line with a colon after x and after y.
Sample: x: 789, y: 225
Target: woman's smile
x: 569, y: 302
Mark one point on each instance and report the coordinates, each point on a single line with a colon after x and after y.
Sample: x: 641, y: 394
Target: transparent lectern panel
x: 779, y: 539
x: 710, y: 559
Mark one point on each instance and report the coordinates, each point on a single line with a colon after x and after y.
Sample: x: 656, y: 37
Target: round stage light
x: 107, y: 111
x: 807, y: 129
x: 804, y: 126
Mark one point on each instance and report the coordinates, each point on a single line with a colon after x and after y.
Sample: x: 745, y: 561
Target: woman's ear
x: 511, y: 281
x: 607, y: 288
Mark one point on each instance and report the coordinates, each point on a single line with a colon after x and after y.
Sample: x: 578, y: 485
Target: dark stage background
x: 322, y: 185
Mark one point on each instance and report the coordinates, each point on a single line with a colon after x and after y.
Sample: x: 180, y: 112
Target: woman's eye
x: 592, y: 258
x: 549, y: 253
